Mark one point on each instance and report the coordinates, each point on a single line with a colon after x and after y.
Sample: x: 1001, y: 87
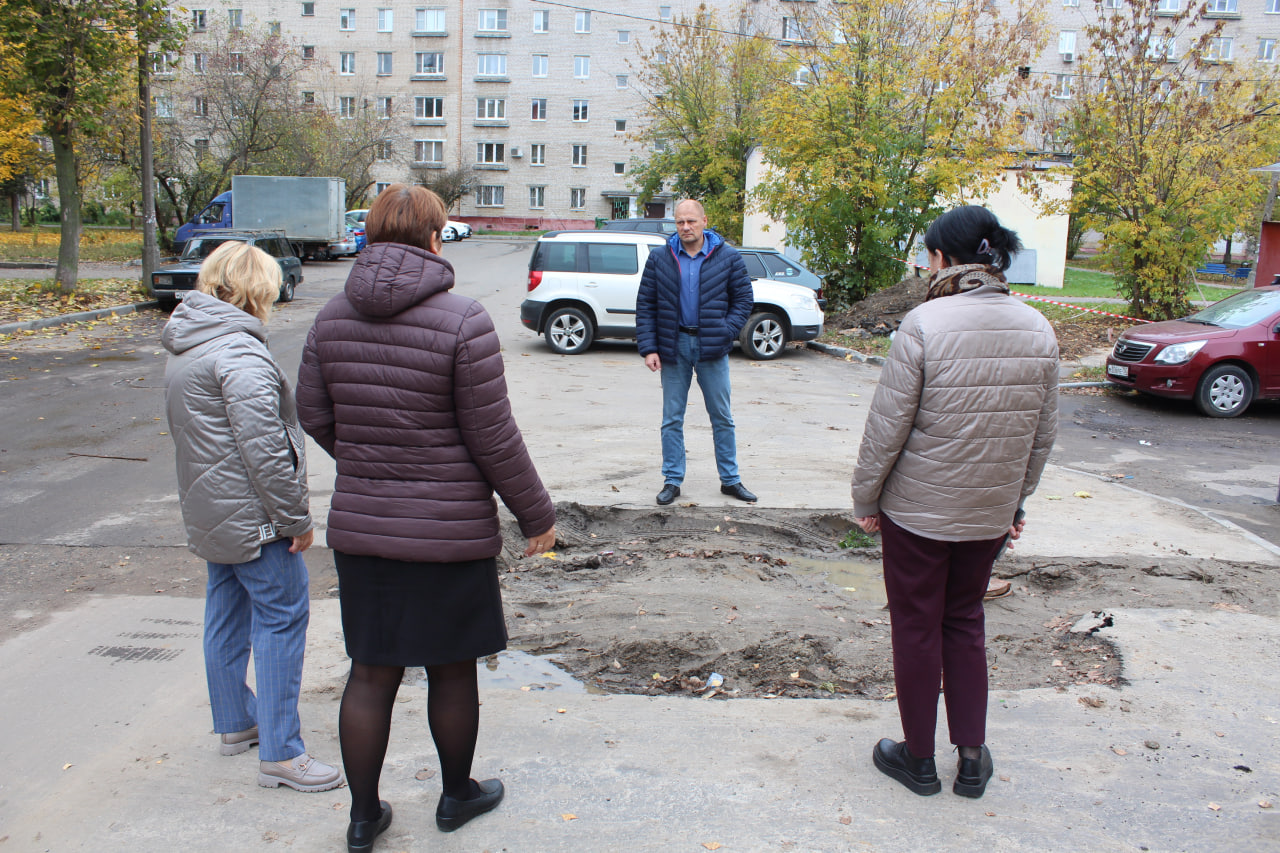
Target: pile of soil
x: 660, y: 601
x: 1079, y: 333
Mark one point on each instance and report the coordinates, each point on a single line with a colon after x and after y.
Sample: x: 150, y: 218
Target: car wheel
x: 287, y: 288
x: 764, y: 337
x: 1224, y: 391
x: 569, y: 331
x: 449, y: 234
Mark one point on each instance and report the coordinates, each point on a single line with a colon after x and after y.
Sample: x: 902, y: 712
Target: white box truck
x: 310, y: 211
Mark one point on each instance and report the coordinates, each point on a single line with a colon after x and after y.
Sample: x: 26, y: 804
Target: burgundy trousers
x: 935, y: 591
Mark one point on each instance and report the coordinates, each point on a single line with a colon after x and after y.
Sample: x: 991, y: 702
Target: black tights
x: 364, y: 727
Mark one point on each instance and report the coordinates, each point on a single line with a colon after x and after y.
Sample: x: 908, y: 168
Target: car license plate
x: 1117, y: 370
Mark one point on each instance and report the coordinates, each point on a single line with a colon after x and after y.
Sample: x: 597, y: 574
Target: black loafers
x: 739, y: 491
x: 669, y: 493
x: 452, y: 814
x: 361, y: 833
x: 973, y: 774
x: 894, y: 760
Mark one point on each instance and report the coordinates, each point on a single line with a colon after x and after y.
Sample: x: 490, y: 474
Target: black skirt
x: 397, y: 613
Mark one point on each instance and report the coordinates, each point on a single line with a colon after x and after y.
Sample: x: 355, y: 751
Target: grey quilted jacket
x: 963, y: 418
x: 241, y: 458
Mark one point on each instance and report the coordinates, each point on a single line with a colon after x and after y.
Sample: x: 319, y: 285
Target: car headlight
x: 162, y: 280
x: 1179, y: 353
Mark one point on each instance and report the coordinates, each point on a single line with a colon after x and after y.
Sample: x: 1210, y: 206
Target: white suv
x: 583, y: 285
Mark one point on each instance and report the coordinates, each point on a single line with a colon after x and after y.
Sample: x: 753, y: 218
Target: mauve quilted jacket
x: 402, y: 384
x: 725, y: 306
x: 963, y: 418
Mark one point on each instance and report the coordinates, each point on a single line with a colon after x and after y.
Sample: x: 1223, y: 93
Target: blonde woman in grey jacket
x: 242, y: 483
x: 960, y: 427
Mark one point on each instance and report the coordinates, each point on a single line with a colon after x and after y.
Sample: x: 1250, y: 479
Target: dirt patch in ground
x: 656, y: 601
x: 1080, y: 333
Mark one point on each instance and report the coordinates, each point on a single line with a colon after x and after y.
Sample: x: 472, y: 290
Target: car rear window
x: 755, y: 269
x: 614, y: 258
x: 779, y: 268
x: 551, y: 256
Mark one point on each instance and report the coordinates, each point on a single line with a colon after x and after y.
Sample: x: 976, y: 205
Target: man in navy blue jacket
x: 695, y: 297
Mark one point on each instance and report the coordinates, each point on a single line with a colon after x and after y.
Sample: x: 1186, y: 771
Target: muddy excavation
x: 763, y: 602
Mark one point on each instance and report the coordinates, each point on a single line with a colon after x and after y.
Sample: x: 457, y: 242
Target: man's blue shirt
x: 690, y: 283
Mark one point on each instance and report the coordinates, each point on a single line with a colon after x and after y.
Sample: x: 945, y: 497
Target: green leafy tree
x: 1164, y: 137
x: 897, y: 107
x: 702, y: 88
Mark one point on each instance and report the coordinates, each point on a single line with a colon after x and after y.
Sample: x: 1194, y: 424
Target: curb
x: 27, y: 265
x: 848, y: 354
x: 80, y: 317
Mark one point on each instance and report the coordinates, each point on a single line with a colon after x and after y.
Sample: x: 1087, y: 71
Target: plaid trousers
x: 265, y: 605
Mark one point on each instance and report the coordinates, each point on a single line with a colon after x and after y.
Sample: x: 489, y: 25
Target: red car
x: 1224, y: 357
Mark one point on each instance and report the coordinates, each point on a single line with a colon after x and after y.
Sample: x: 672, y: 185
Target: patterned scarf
x: 952, y: 280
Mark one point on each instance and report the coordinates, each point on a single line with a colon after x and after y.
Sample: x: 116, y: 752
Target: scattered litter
x: 715, y: 679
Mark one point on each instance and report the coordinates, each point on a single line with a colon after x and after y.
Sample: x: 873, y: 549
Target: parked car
x: 583, y: 286
x: 770, y: 263
x: 454, y: 230
x: 650, y: 226
x: 356, y: 227
x: 1224, y: 357
x: 172, y: 282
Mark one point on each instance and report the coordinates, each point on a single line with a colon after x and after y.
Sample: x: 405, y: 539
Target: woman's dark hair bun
x: 972, y: 235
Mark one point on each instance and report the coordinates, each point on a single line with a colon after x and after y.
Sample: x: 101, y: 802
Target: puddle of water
x: 863, y: 581
x: 515, y: 669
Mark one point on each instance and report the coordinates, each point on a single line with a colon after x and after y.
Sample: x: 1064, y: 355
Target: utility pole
x: 150, y: 251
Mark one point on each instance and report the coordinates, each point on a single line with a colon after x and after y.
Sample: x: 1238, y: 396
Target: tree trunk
x: 15, y: 213
x: 1226, y: 256
x: 67, y: 168
x: 150, y: 252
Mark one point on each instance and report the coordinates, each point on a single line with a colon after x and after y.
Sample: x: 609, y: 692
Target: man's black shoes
x: 737, y: 490
x: 669, y: 493
x: 895, y: 761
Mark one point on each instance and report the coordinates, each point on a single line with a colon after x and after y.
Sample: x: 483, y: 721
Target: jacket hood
x: 201, y: 318
x: 390, y: 277
x: 710, y: 236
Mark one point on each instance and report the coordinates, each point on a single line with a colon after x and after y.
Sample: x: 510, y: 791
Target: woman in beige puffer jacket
x: 959, y: 430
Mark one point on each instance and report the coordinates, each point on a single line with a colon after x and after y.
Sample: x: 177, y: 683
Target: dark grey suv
x: 770, y: 263
x: 172, y: 282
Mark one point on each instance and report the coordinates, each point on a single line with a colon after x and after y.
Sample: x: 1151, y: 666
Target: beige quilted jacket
x: 963, y: 419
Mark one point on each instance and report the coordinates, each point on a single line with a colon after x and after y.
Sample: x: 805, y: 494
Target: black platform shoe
x: 896, y: 761
x: 361, y: 833
x: 452, y: 814
x: 973, y: 774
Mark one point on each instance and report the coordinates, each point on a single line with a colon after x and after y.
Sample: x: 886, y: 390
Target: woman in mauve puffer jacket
x: 402, y: 383
x: 962, y: 422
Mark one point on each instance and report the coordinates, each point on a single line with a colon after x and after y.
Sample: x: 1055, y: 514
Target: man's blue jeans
x: 713, y: 379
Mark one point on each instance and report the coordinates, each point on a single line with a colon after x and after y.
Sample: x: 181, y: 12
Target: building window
x: 428, y: 151
x: 1067, y: 45
x: 198, y: 64
x: 1222, y: 7
x: 429, y: 20
x: 491, y: 108
x: 1266, y: 50
x: 537, y: 197
x: 1220, y: 49
x: 237, y: 108
x: 491, y: 153
x: 347, y: 106
x: 1170, y: 7
x: 1162, y: 47
x: 1273, y: 7
x: 624, y: 36
x: 385, y: 20
x: 542, y: 20
x: 426, y: 106
x: 659, y: 144
x: 380, y: 186
x: 538, y: 155
x: 273, y: 28
x: 582, y: 22
x: 308, y: 51
x: 581, y: 67
x: 489, y: 196
x: 577, y: 198
x: 162, y: 107
x: 384, y: 63
x: 791, y: 30
x: 1061, y: 86
x: 664, y: 13
x: 235, y: 19
x: 202, y: 106
x: 541, y: 63
x: 308, y: 99
x: 539, y: 109
x: 235, y: 63
x: 619, y: 168
x: 199, y: 20
x: 202, y: 148
x: 491, y: 64
x: 308, y: 10
x: 619, y: 125
x: 621, y: 79
x: 579, y: 155
x: 492, y: 21
x: 346, y: 19
x: 383, y: 151
x: 1204, y: 89
x: 428, y: 63
x: 1070, y: 3
x: 384, y: 106
x: 579, y: 110
x: 346, y: 63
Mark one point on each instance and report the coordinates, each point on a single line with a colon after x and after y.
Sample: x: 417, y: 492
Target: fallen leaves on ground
x: 23, y: 299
